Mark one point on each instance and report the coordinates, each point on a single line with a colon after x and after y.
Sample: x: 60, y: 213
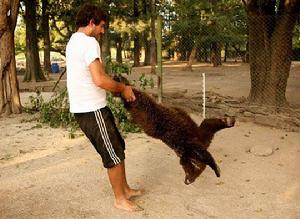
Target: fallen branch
x: 61, y: 74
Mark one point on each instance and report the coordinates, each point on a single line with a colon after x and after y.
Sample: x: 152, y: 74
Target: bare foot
x: 129, y: 193
x: 127, y: 205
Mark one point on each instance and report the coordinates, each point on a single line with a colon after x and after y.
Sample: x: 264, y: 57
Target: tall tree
x: 105, y: 39
x: 9, y: 91
x: 216, y: 46
x: 153, y: 59
x: 145, y: 34
x: 46, y: 36
x: 270, y: 25
x: 33, y: 66
x: 136, y: 39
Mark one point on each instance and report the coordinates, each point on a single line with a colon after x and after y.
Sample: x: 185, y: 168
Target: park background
x: 249, y: 53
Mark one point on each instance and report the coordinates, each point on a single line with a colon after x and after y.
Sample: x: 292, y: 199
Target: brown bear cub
x: 176, y: 129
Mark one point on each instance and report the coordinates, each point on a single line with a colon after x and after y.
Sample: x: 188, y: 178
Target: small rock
x: 259, y: 210
x: 297, y: 122
x: 248, y: 114
x: 220, y: 183
x: 261, y: 151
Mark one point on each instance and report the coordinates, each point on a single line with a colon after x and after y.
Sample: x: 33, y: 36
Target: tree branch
x: 59, y: 50
x: 56, y: 28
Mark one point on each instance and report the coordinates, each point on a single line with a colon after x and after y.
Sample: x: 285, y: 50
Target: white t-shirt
x: 84, y: 95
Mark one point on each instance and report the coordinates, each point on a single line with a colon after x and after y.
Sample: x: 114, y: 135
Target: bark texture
x: 9, y: 90
x: 270, y: 49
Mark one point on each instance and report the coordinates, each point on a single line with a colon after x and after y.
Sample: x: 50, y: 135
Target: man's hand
x: 128, y: 94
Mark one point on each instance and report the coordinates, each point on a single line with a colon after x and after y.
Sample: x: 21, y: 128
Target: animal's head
x: 121, y: 79
x: 192, y: 171
x: 194, y: 162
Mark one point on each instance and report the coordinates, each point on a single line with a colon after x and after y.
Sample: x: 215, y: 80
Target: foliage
x: 114, y: 68
x: 144, y: 82
x: 54, y: 112
x: 296, y: 38
x: 124, y: 120
x: 187, y: 23
x: 201, y: 24
x: 19, y: 36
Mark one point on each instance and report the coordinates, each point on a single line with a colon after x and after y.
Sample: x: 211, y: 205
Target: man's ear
x: 91, y: 22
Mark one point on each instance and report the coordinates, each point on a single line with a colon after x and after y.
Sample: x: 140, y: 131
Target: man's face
x: 98, y: 30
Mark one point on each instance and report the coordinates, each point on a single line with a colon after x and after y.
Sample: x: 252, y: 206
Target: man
x: 87, y: 84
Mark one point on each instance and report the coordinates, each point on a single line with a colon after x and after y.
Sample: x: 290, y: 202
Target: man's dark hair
x: 89, y: 12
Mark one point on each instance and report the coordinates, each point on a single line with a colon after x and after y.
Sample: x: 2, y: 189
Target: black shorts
x: 99, y: 126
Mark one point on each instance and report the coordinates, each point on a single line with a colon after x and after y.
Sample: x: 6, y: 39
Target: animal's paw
x: 218, y: 171
x: 229, y: 121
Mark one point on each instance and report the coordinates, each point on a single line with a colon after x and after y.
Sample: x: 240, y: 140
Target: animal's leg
x: 199, y: 155
x: 217, y: 124
x: 209, y: 127
x: 192, y: 171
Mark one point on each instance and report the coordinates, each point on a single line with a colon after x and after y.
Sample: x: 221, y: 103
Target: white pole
x: 203, y: 95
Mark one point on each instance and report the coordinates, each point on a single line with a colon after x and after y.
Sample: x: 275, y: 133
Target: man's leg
x: 117, y: 180
x: 128, y: 191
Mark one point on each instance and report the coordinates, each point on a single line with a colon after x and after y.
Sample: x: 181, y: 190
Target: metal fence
x: 250, y: 72
x: 251, y: 65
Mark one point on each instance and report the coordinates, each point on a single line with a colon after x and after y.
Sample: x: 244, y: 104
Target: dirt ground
x: 44, y: 174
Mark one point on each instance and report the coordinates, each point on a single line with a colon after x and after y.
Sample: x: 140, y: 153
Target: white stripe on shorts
x: 105, y: 137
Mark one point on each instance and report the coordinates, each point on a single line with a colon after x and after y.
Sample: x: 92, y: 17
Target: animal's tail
x: 202, y: 155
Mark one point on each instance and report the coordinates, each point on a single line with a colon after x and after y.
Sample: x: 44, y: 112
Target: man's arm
x: 101, y: 79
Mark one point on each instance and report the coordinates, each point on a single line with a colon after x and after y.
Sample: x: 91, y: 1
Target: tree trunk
x: 137, y: 50
x: 246, y: 56
x: 281, y: 57
x: 216, y: 54
x: 259, y: 55
x: 46, y: 37
x: 136, y: 37
x: 9, y: 90
x: 153, y: 58
x: 270, y: 50
x: 189, y: 65
x: 147, y: 47
x: 146, y: 33
x: 225, y: 52
x: 119, y: 49
x: 105, y: 44
x: 33, y: 66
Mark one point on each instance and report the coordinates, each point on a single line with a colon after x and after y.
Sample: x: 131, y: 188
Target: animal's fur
x: 176, y: 129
